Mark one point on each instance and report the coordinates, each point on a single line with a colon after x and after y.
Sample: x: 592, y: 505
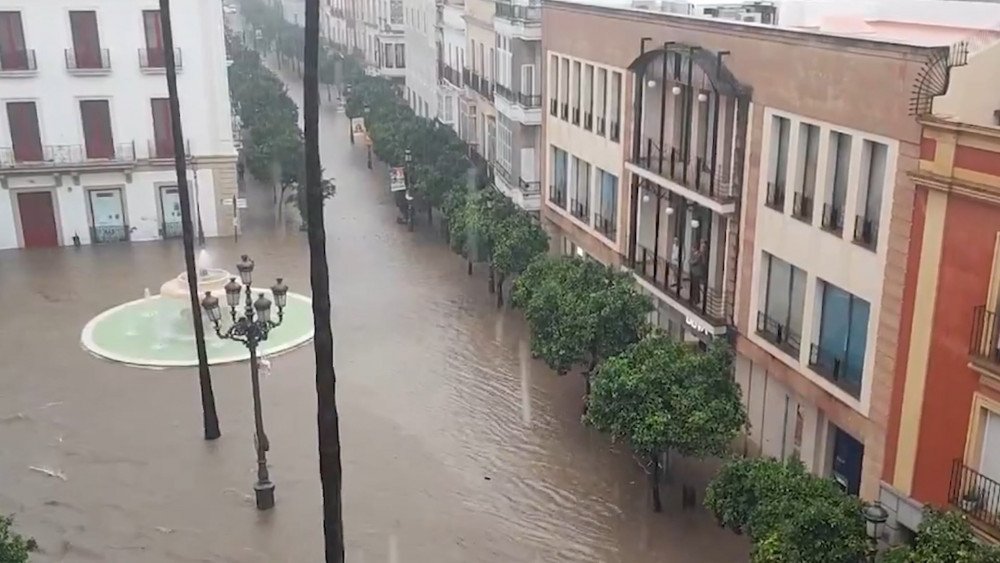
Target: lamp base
x: 264, y: 491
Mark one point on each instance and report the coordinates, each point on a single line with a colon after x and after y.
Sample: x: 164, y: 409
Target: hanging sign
x: 358, y: 126
x: 397, y: 179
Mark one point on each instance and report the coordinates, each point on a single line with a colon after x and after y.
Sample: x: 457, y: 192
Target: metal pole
x: 209, y: 415
x: 263, y: 489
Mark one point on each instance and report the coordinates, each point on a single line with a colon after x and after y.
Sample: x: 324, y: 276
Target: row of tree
x: 792, y: 515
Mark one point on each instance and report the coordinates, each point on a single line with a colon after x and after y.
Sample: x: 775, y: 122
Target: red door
x: 13, y: 55
x: 97, y: 129
x: 38, y: 219
x: 163, y: 133
x: 23, y: 120
x: 86, y: 41
x: 154, y: 38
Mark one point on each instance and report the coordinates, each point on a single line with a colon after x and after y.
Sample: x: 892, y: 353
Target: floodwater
x: 457, y: 446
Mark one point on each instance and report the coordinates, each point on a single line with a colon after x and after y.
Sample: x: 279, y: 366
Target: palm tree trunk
x: 210, y: 418
x: 326, y: 378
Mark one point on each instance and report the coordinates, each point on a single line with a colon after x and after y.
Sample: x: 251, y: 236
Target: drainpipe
x: 636, y: 148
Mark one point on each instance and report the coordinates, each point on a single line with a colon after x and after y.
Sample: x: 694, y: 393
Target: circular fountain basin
x: 157, y: 332
x: 212, y: 279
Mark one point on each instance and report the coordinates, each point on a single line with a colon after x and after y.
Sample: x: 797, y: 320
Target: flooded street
x: 457, y: 446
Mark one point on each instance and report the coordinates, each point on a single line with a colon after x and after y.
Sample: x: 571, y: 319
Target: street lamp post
x: 368, y: 142
x: 251, y: 328
x: 347, y: 100
x: 875, y: 516
x: 408, y: 158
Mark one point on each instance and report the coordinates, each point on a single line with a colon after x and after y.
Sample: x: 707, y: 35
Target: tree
x: 580, y: 312
x: 944, y: 536
x: 327, y: 418
x: 518, y: 241
x: 790, y: 515
x: 13, y: 547
x: 301, y: 198
x: 661, y: 395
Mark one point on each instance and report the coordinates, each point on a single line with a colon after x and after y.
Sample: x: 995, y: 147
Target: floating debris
x: 50, y: 472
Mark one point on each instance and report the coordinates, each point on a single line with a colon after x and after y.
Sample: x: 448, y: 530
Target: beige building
x: 479, y: 71
x: 755, y: 181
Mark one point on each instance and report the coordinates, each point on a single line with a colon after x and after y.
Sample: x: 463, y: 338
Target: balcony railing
x: 802, y: 207
x: 18, y: 61
x: 66, y: 155
x: 564, y: 111
x: 614, y: 131
x: 833, y: 218
x: 833, y: 366
x: 588, y: 121
x: 984, y: 342
x: 529, y: 101
x: 778, y: 334
x: 975, y: 494
x: 580, y: 210
x: 600, y: 126
x: 529, y: 188
x: 451, y: 75
x: 554, y: 107
x: 606, y: 226
x: 82, y: 61
x: 576, y: 116
x: 669, y: 277
x: 557, y: 196
x: 865, y: 232
x: 697, y: 175
x: 164, y: 151
x: 527, y: 14
x: 775, y: 196
x: 156, y: 59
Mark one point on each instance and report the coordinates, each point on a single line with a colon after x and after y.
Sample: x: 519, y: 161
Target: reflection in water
x: 458, y: 446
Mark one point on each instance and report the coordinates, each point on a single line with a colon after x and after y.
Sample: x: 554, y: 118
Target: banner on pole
x: 397, y: 180
x: 358, y: 126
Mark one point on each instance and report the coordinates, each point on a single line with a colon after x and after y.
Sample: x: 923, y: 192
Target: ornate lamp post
x: 407, y: 159
x: 251, y: 328
x: 875, y: 516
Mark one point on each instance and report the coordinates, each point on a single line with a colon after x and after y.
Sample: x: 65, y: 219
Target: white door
x: 989, y: 460
x: 109, y: 216
x: 170, y: 204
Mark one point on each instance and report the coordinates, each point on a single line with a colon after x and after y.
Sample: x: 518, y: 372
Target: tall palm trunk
x: 210, y: 419
x: 326, y: 378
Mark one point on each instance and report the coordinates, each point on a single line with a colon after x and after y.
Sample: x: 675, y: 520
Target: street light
x: 875, y: 516
x: 251, y: 328
x: 408, y: 158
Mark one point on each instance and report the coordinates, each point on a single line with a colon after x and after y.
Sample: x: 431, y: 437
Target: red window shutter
x: 86, y: 40
x: 154, y: 38
x: 23, y: 119
x: 98, y: 137
x: 163, y: 135
x: 13, y: 55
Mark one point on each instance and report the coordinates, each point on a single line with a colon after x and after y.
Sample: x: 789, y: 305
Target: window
x: 400, y: 55
x: 528, y: 83
x: 504, y: 144
x: 13, y: 53
x: 600, y: 92
x: 564, y: 88
x: 607, y: 204
x: 389, y: 59
x: 780, y: 131
x: 843, y: 336
x: 155, y: 57
x: 802, y: 205
x: 588, y: 97
x: 706, y: 129
x: 163, y: 134
x: 97, y: 135
x: 779, y: 318
x: 840, y: 164
x: 557, y: 190
x: 554, y: 85
x: 580, y: 202
x: 873, y: 161
x: 86, y: 40
x: 575, y: 93
x: 614, y: 111
x: 24, y: 132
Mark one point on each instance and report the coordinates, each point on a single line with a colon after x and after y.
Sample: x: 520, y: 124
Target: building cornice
x: 967, y: 188
x: 934, y: 122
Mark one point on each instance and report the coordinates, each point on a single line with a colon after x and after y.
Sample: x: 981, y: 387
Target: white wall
x: 420, y: 17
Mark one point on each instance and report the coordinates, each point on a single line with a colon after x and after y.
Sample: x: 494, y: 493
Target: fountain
x: 157, y: 330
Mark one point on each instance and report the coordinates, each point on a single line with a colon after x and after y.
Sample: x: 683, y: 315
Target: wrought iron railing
x: 157, y: 58
x: 557, y: 195
x: 697, y: 175
x: 600, y: 126
x: 775, y: 198
x: 554, y: 107
x: 588, y: 121
x: 833, y: 366
x: 63, y: 155
x: 833, y: 218
x: 160, y: 150
x: 18, y: 60
x: 78, y: 60
x: 109, y: 233
x: 576, y: 116
x: 984, y: 341
x: 580, y: 210
x: 451, y: 75
x: 529, y: 188
x: 802, y: 207
x: 526, y: 14
x: 679, y: 283
x: 564, y: 111
x: 865, y: 231
x: 614, y: 131
x: 606, y: 226
x: 975, y: 494
x: 778, y: 334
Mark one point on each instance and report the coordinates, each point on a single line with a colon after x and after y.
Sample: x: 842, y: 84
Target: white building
x: 86, y: 149
x: 451, y: 87
x: 420, y: 18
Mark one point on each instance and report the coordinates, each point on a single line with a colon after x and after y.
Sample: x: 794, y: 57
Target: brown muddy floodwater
x: 457, y: 446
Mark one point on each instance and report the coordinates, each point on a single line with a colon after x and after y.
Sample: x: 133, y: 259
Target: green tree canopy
x: 14, y: 548
x: 944, y: 536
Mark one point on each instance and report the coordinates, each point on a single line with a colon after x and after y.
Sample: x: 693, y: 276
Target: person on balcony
x: 699, y: 271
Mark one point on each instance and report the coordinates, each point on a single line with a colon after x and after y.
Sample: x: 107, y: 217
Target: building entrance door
x: 38, y: 219
x: 109, y: 216
x: 847, y: 456
x: 170, y: 205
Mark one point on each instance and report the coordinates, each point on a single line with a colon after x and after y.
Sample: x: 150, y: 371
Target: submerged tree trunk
x: 500, y: 291
x: 469, y: 268
x: 493, y: 285
x: 654, y: 483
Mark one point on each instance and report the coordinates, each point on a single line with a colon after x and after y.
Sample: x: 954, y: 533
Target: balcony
x: 680, y: 285
x: 78, y: 62
x: 775, y: 198
x: 778, y: 334
x: 692, y: 179
x: 557, y: 196
x: 865, y: 232
x: 529, y: 189
x: 802, y: 207
x: 521, y: 21
x: 480, y: 84
x: 155, y: 60
x: 524, y: 194
x: 976, y: 495
x: 833, y: 367
x: 451, y: 76
x: 833, y: 219
x: 66, y: 157
x: 18, y: 63
x: 984, y: 341
x: 518, y: 106
x: 162, y: 151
